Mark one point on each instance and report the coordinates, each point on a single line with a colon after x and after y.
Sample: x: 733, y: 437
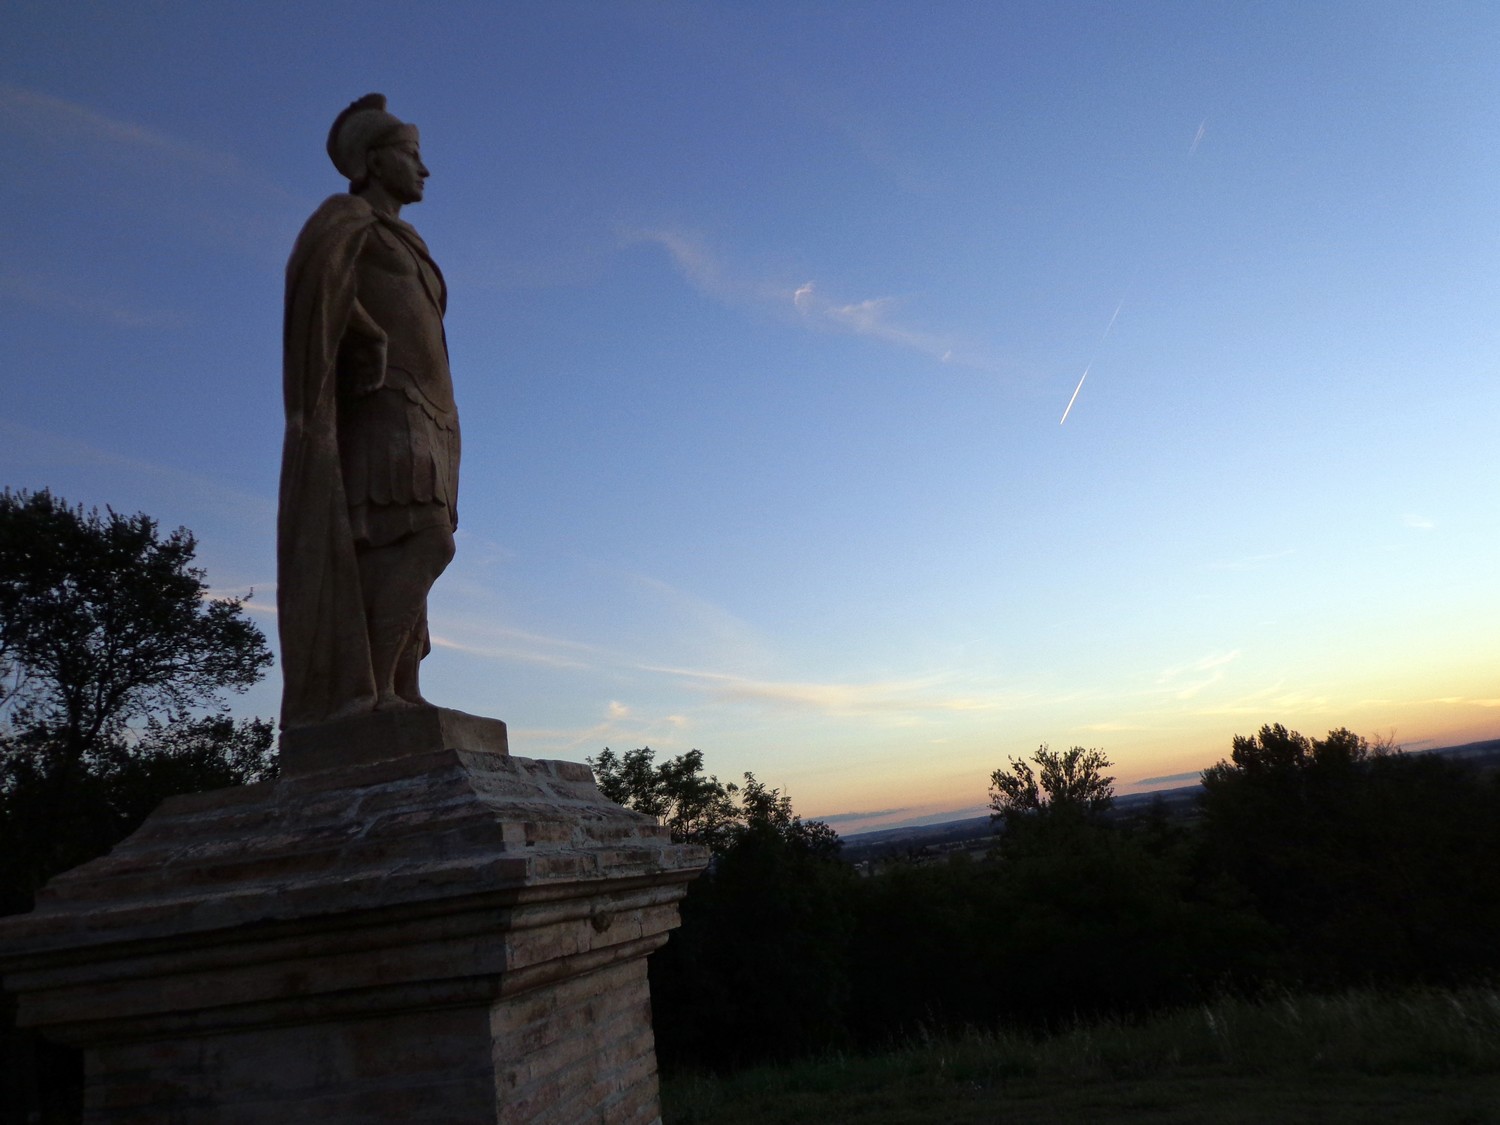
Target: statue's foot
x: 361, y: 706
x: 390, y: 701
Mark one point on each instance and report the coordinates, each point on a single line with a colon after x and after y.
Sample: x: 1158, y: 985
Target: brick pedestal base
x: 436, y: 933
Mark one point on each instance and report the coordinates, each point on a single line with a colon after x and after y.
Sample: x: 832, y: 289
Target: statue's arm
x: 362, y: 353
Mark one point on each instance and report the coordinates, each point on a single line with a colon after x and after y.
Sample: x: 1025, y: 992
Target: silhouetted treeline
x: 1314, y: 864
x: 1372, y: 865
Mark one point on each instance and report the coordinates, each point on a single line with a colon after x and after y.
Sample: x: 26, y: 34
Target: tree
x: 1072, y: 784
x: 110, y: 650
x: 770, y: 811
x: 1276, y: 754
x: 56, y: 814
x: 698, y: 809
x: 103, y: 622
x: 702, y: 809
x: 758, y: 968
x: 1373, y: 864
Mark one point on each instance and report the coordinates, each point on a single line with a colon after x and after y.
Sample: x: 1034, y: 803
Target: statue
x: 369, y: 473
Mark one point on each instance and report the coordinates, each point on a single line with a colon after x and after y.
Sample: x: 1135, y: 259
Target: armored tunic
x: 398, y: 426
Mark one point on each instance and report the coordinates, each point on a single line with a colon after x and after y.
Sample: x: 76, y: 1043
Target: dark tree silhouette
x: 759, y: 968
x: 1375, y: 865
x: 698, y: 809
x: 103, y: 621
x: 109, y: 644
x: 111, y: 651
x: 1071, y: 783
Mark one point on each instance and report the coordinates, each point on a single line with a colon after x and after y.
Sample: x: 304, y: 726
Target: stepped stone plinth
x: 409, y: 926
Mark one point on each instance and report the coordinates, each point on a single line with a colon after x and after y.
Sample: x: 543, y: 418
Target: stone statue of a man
x: 369, y: 474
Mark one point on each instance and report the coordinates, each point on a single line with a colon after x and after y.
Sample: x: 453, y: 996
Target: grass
x: 1430, y: 1056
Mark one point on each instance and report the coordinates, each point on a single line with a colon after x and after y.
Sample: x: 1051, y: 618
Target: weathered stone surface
x: 377, y: 736
x: 400, y: 940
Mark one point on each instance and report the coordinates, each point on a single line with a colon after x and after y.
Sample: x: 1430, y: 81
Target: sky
x: 862, y: 393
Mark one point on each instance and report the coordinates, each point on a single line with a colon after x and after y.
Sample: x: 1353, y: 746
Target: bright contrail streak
x: 1103, y: 336
x: 1078, y: 388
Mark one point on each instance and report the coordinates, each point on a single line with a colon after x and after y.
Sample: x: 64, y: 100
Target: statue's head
x: 368, y: 144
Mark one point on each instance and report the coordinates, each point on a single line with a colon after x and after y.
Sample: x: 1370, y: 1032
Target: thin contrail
x: 1076, y: 389
x: 1111, y: 323
x: 1198, y: 136
x: 1102, y: 337
x: 1192, y: 148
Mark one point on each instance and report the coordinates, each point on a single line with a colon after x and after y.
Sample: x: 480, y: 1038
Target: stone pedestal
x: 410, y: 926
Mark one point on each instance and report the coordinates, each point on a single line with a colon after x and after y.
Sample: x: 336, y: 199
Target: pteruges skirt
x: 400, y: 467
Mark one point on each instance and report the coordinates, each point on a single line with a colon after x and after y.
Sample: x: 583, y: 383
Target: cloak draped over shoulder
x: 325, y: 645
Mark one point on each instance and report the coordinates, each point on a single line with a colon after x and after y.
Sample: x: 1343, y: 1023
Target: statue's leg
x: 396, y: 580
x: 409, y: 663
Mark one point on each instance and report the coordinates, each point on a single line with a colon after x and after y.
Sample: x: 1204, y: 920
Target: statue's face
x: 399, y: 169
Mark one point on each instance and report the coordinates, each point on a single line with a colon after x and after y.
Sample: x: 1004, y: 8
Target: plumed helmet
x: 364, y: 125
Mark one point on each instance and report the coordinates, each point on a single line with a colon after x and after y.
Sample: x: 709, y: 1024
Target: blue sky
x: 763, y: 320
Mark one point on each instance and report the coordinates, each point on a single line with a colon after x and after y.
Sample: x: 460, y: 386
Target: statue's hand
x: 362, y: 352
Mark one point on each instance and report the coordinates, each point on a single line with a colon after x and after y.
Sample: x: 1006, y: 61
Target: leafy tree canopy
x: 1070, y: 783
x: 695, y: 806
x: 105, y: 622
x: 110, y: 652
x: 759, y: 968
x: 1283, y: 761
x: 701, y: 809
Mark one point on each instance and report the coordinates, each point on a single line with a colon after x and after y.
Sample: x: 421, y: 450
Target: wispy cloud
x: 701, y: 652
x: 698, y: 264
x: 499, y: 643
x: 1204, y: 664
x: 890, y: 697
x: 651, y: 620
x: 67, y: 298
x: 1204, y: 673
x: 235, y: 205
x: 848, y: 824
x: 74, y: 124
x: 873, y: 814
x: 1464, y: 701
x: 1418, y: 523
x: 34, y: 449
x: 712, y: 628
x: 618, y: 726
x: 876, y: 318
x: 261, y: 604
x: 1275, y: 699
x: 1188, y: 775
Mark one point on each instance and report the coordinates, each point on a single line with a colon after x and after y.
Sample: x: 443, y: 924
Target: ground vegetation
x: 1422, y: 1056
x: 1309, y: 864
